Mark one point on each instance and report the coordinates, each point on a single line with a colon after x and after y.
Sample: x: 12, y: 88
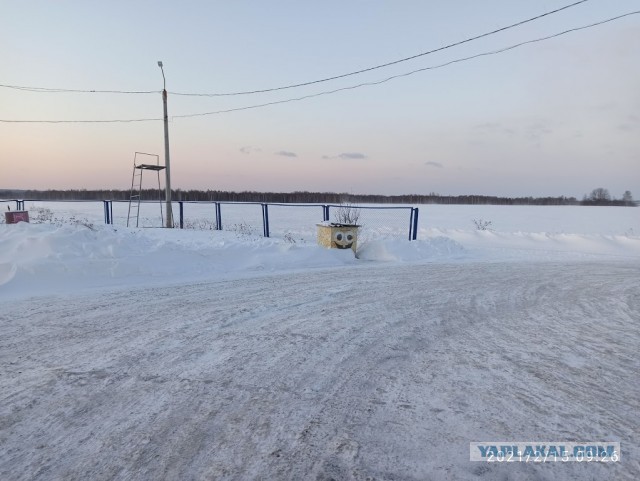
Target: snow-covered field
x: 199, y: 354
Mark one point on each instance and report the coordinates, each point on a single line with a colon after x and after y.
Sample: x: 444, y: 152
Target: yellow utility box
x: 338, y: 236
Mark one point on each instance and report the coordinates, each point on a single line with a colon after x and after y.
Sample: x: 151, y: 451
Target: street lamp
x: 169, y: 220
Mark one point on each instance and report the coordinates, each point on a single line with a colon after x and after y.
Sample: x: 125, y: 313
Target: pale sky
x: 560, y: 117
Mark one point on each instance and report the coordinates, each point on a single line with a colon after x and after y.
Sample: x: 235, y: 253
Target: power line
x: 54, y: 90
x: 406, y: 74
x: 394, y: 62
x: 352, y: 87
x: 111, y: 121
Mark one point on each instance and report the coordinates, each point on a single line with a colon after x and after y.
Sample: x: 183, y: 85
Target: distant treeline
x: 309, y: 197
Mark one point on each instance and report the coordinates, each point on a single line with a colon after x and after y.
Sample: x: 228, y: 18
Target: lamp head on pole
x: 164, y: 81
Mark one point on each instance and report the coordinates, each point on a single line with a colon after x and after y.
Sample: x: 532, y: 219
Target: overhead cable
x: 406, y: 74
x: 388, y: 64
x: 352, y: 87
x: 394, y: 62
x: 55, y: 90
x: 110, y: 121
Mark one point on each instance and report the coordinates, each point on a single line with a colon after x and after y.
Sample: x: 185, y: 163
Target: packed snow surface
x: 168, y: 354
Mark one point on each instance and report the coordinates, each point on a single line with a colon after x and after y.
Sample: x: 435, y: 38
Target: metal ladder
x: 135, y: 197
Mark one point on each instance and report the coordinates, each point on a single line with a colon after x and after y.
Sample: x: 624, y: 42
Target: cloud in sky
x: 632, y: 122
x: 495, y: 128
x: 434, y: 164
x: 286, y: 153
x: 347, y: 155
x: 537, y: 130
x: 352, y: 155
x: 248, y: 149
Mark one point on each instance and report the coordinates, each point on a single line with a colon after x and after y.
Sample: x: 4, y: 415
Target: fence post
x: 180, y: 203
x: 218, y: 216
x: 415, y: 224
x: 325, y: 212
x: 108, y: 212
x: 265, y: 219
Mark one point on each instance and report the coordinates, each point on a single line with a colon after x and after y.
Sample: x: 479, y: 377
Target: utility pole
x: 169, y: 220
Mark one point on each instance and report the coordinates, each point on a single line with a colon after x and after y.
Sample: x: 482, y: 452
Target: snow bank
x: 434, y: 249
x: 42, y: 259
x: 521, y: 246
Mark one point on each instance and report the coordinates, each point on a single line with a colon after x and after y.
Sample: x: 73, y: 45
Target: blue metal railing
x: 266, y: 232
x: 108, y: 211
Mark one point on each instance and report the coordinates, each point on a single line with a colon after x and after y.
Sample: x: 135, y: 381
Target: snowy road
x: 349, y: 373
